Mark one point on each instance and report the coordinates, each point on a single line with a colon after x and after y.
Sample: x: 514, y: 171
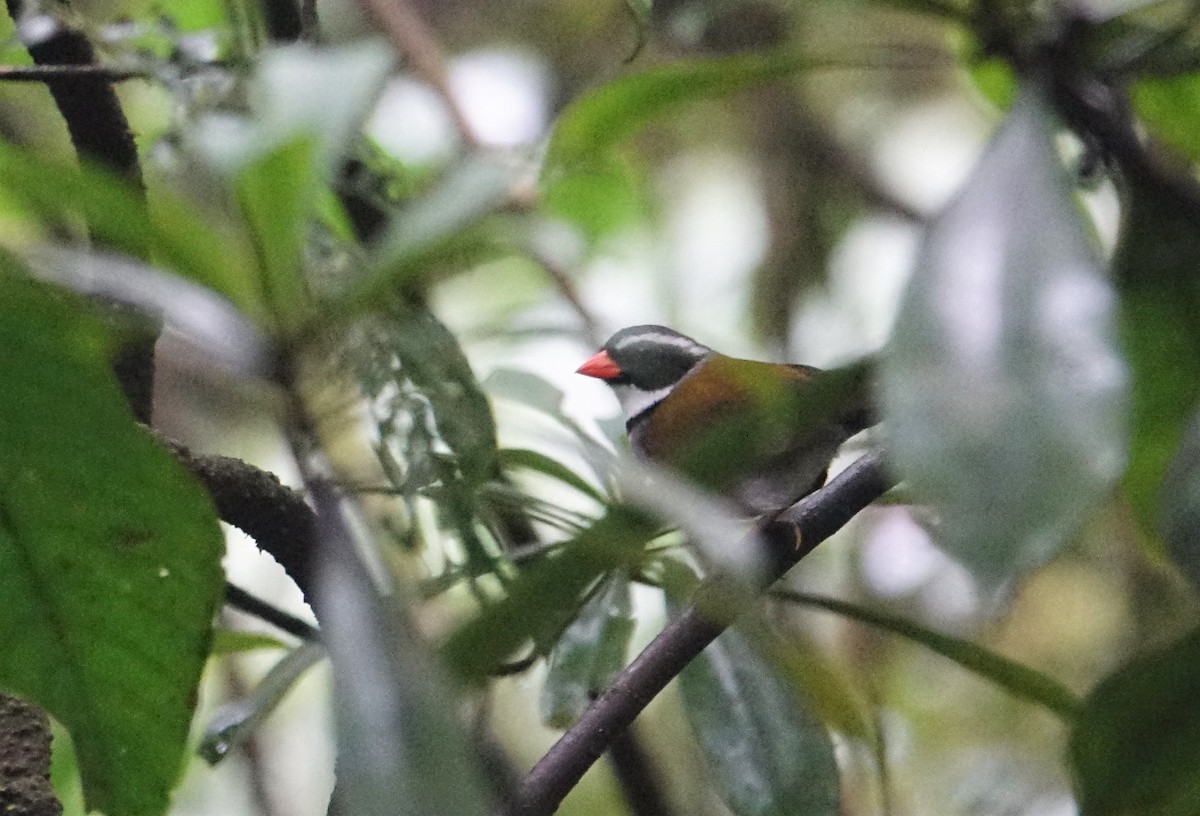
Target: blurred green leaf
x: 598, y: 121
x: 1171, y: 110
x: 236, y: 721
x: 768, y: 753
x: 599, y: 198
x: 829, y: 688
x: 546, y: 595
x: 1003, y: 388
x: 277, y: 194
x: 109, y: 556
x: 233, y: 641
x: 299, y: 91
x: 1181, y: 506
x: 541, y: 463
x: 401, y: 748
x: 994, y: 78
x: 589, y: 653
x: 1136, y: 746
x: 1154, y: 267
x: 169, y: 232
x: 1018, y: 680
x: 444, y: 226
x: 527, y: 388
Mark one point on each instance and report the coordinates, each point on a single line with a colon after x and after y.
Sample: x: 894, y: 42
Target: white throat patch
x: 635, y: 402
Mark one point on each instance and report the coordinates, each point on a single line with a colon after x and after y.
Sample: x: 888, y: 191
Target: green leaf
x: 236, y: 721
x: 545, y: 596
x: 277, y: 194
x: 171, y: 232
x: 1003, y: 388
x: 768, y: 753
x: 541, y: 463
x: 1154, y: 267
x: 1181, y: 506
x: 401, y: 748
x: 589, y: 653
x: 414, y: 372
x: 598, y: 121
x: 1136, y: 746
x: 109, y: 557
x: 1018, y: 680
x: 828, y: 687
x: 599, y: 198
x: 233, y: 641
x: 443, y: 226
x: 299, y: 91
x: 1170, y: 108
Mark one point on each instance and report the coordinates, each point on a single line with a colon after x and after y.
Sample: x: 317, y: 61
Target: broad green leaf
x: 1155, y: 268
x: 277, y: 194
x: 236, y: 721
x: 1003, y: 389
x: 109, y: 557
x: 541, y: 463
x: 169, y: 232
x: 545, y: 596
x: 1018, y: 680
x: 589, y: 653
x: 1181, y: 506
x: 401, y: 748
x: 1136, y: 746
x: 600, y: 120
x: 768, y: 753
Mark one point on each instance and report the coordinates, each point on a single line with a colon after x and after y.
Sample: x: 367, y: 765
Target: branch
x: 65, y: 73
x: 253, y: 500
x: 411, y: 37
x: 88, y: 103
x: 816, y: 518
x: 25, y: 760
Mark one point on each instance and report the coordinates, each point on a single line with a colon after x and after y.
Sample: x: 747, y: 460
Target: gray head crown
x: 653, y: 357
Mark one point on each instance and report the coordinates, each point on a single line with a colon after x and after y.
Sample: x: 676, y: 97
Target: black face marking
x: 652, y: 357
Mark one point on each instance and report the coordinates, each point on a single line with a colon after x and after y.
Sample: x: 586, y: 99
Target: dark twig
x: 243, y: 601
x: 65, y: 73
x: 89, y: 105
x: 817, y: 517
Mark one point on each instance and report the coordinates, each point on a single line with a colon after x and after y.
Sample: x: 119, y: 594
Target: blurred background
x: 777, y: 223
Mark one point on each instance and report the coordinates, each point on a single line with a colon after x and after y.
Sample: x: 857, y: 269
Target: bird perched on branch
x: 762, y: 434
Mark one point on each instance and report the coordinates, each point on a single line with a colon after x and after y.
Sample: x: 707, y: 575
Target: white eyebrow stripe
x: 676, y: 340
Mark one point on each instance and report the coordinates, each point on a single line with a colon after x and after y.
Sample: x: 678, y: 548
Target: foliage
x: 1038, y: 394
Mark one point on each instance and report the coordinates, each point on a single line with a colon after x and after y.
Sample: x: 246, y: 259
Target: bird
x: 761, y: 434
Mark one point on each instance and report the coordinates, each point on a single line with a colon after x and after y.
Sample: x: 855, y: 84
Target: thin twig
x: 562, y: 280
x: 816, y: 518
x: 54, y: 73
x: 243, y: 601
x: 414, y: 39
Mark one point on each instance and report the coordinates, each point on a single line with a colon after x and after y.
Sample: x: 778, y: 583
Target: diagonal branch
x: 816, y: 518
